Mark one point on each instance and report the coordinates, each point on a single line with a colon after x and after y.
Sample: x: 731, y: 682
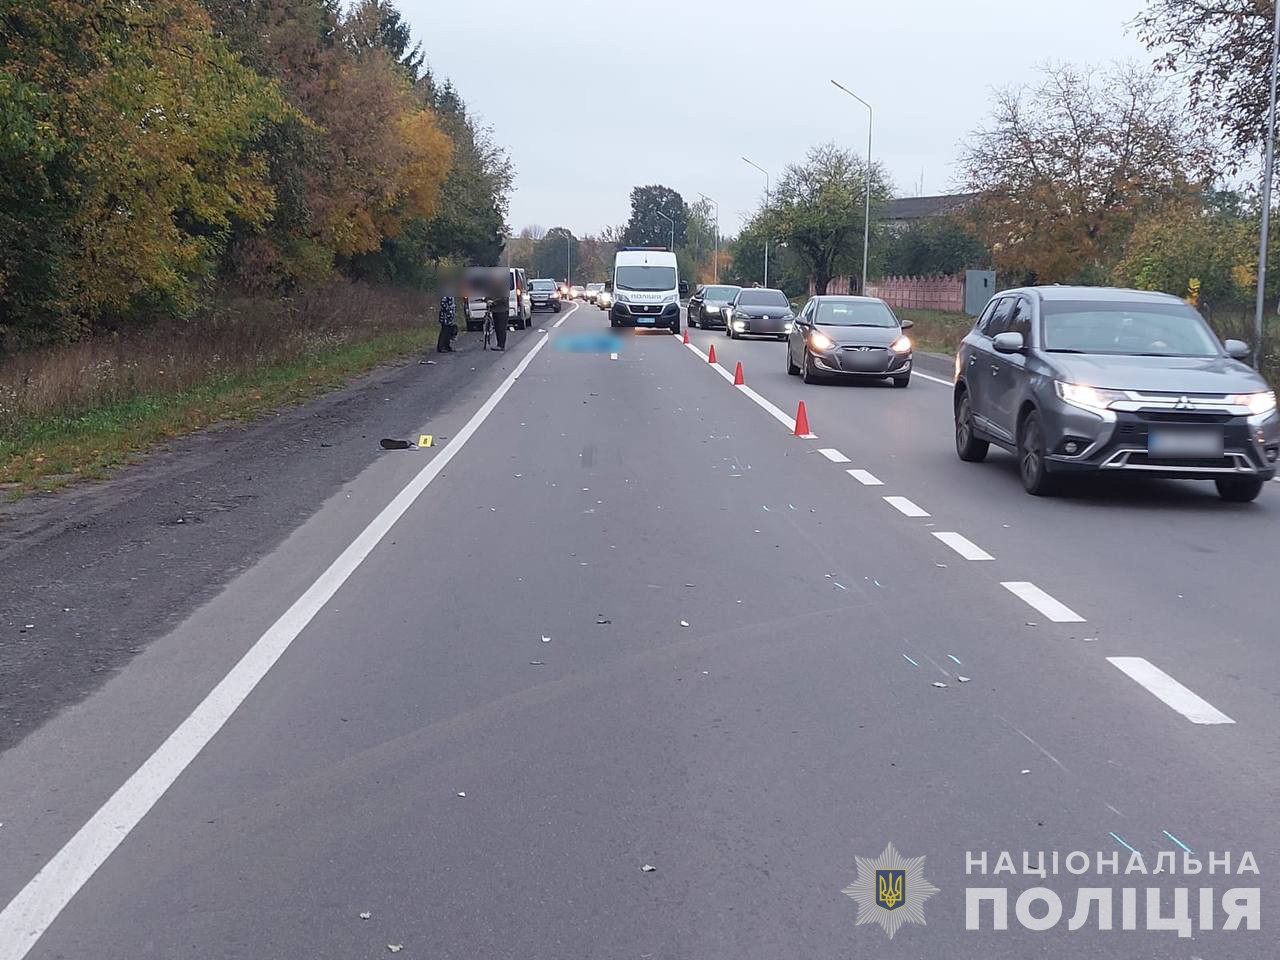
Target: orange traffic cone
x: 686, y: 335
x: 711, y: 354
x: 802, y: 421
x: 738, y: 379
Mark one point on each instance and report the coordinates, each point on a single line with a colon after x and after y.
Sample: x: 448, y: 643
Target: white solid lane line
x: 1193, y: 707
x: 29, y: 914
x: 865, y: 477
x: 1047, y: 605
x: 761, y: 402
x: 964, y: 546
x: 835, y: 456
x: 906, y: 507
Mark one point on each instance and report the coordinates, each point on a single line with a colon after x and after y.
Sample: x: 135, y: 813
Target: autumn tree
x: 143, y: 126
x: 1065, y: 168
x: 1222, y: 51
x: 934, y: 245
x: 818, y: 210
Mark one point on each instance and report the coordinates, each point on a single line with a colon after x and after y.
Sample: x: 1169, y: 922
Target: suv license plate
x: 1185, y: 443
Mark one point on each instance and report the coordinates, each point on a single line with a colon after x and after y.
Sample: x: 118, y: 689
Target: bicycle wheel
x: 488, y: 329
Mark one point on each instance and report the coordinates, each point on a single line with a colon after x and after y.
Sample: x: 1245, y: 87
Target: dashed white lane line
x: 906, y: 507
x: 1192, y: 706
x: 1053, y: 609
x: 928, y: 376
x: 964, y: 546
x: 37, y: 905
x: 834, y: 455
x: 866, y: 478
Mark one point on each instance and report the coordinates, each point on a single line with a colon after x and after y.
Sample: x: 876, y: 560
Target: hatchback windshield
x: 1128, y: 329
x: 721, y: 294
x: 763, y: 298
x: 855, y: 313
x: 644, y: 277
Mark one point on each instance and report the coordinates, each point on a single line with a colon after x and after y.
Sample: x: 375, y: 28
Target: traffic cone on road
x: 738, y: 379
x: 686, y: 335
x: 711, y: 354
x: 802, y: 421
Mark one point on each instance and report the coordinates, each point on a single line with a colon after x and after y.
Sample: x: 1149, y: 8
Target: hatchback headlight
x: 1093, y: 399
x: 1259, y: 403
x: 901, y: 345
x: 820, y: 341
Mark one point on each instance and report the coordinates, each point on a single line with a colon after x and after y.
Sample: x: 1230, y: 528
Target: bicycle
x: 488, y: 325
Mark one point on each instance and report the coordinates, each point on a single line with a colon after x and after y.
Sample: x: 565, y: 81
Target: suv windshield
x: 643, y: 277
x: 763, y: 298
x: 1126, y: 329
x: 855, y: 313
x: 542, y: 284
x: 721, y: 294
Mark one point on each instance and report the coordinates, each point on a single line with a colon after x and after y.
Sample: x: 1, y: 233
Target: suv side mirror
x: 906, y: 324
x: 1237, y: 349
x: 684, y: 288
x: 1008, y: 342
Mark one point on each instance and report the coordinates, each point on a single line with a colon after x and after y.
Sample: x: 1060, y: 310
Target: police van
x: 646, y: 289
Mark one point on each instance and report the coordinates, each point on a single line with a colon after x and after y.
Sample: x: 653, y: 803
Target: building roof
x: 918, y: 208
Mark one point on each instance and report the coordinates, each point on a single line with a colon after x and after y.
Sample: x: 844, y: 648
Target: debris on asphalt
x: 837, y: 583
x: 688, y: 584
x: 909, y: 660
x: 939, y: 684
x: 1025, y: 772
x: 963, y: 679
x: 366, y: 915
x: 603, y: 620
x: 546, y: 639
x: 395, y: 947
x: 536, y: 663
x: 648, y: 868
x: 765, y: 507
x: 684, y: 623
x: 1032, y: 623
x: 389, y: 444
x: 462, y: 793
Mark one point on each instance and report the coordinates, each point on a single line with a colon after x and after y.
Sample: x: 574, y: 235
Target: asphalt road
x: 626, y: 618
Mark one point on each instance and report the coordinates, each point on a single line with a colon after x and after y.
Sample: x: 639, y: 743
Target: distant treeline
x: 151, y: 152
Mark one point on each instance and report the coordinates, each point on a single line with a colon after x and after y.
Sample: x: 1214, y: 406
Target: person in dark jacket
x: 501, y: 316
x: 448, y: 321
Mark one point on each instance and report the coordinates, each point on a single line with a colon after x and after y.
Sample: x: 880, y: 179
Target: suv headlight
x: 1259, y: 404
x: 1093, y: 399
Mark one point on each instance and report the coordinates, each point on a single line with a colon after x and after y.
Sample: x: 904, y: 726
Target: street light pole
x: 766, y: 206
x: 568, y: 259
x: 669, y: 220
x: 1265, y: 233
x: 866, y: 221
x: 716, y: 261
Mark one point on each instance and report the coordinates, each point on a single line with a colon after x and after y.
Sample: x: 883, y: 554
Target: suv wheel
x: 1238, y: 490
x: 1031, y: 458
x: 968, y: 446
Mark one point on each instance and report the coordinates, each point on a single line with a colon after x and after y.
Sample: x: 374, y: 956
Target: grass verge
x: 46, y: 452
x: 937, y: 331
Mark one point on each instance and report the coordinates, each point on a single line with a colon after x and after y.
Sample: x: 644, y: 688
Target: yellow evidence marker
x: 425, y: 440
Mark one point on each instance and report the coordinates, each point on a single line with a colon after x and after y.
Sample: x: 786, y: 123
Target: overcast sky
x: 593, y: 98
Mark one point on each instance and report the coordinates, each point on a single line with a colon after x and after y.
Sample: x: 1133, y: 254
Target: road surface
x: 623, y: 618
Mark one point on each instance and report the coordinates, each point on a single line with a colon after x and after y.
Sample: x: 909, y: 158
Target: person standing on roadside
x: 500, y: 308
x: 448, y: 319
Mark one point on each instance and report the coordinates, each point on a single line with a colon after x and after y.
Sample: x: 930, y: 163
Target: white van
x: 646, y: 289
x: 519, y: 298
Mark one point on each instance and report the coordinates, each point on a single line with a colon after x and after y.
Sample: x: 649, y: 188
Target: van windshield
x: 644, y: 277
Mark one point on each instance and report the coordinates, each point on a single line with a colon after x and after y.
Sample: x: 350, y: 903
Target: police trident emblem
x: 890, y: 890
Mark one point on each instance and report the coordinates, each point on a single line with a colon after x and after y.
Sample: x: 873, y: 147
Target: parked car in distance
x: 849, y: 337
x: 544, y: 295
x: 1103, y: 380
x: 708, y: 307
x: 759, y: 312
x: 593, y: 291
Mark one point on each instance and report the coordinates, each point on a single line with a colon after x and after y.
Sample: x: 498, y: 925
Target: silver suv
x: 1097, y: 380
